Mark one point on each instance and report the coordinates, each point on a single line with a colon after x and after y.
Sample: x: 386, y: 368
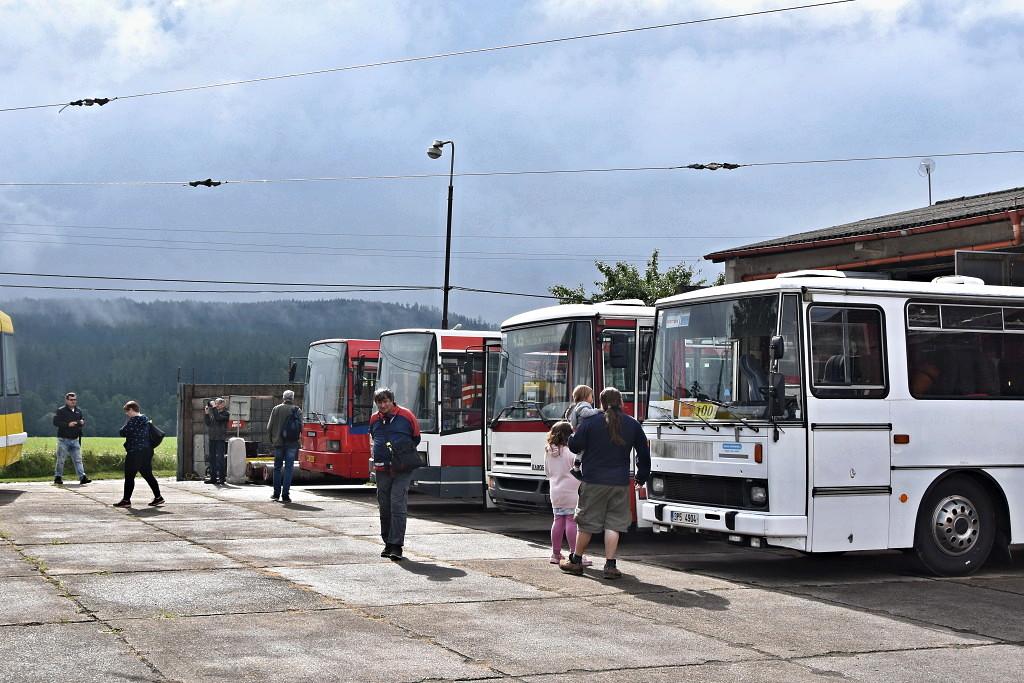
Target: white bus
x: 440, y: 376
x: 828, y: 413
x: 545, y: 353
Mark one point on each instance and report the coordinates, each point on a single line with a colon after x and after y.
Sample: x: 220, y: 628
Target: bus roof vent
x: 958, y: 280
x: 812, y: 273
x: 625, y: 302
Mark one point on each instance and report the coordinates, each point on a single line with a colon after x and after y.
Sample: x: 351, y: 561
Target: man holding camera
x: 69, y: 422
x: 216, y: 419
x: 392, y: 428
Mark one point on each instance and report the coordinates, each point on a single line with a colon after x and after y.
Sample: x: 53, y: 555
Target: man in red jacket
x: 392, y: 428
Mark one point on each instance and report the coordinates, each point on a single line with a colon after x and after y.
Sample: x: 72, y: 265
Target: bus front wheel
x: 956, y: 527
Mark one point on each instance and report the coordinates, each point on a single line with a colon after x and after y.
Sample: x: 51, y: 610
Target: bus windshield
x: 325, y: 397
x: 408, y: 366
x: 711, y: 360
x: 539, y: 368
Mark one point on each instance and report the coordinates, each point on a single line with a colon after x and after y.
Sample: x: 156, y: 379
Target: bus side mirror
x: 776, y: 348
x: 292, y: 369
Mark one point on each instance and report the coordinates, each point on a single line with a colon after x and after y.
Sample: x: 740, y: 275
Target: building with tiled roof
x: 917, y: 244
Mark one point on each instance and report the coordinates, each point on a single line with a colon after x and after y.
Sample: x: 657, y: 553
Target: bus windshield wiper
x: 516, y: 405
x: 319, y: 417
x: 707, y: 399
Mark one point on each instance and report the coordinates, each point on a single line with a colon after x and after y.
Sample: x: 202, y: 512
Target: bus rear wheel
x: 956, y: 527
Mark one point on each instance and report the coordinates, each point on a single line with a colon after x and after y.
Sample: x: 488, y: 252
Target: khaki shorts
x: 603, y: 507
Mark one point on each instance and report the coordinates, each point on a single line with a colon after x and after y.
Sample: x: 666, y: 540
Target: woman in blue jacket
x: 138, y: 457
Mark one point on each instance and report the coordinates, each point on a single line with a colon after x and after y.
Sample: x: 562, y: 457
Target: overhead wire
x: 312, y: 250
x: 481, y: 174
x: 124, y: 229
x: 424, y: 58
x: 351, y: 287
x: 355, y: 251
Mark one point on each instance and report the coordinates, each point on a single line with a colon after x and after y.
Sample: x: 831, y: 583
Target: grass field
x: 103, y: 458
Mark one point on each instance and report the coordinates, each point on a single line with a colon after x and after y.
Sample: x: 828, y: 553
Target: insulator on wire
x: 714, y: 166
x: 209, y: 182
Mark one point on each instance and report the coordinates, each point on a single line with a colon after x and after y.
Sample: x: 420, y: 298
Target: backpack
x: 292, y: 427
x: 156, y: 435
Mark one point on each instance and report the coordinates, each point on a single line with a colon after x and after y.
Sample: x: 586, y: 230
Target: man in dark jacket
x: 285, y: 450
x: 69, y: 422
x: 216, y: 419
x: 392, y: 428
x: 606, y: 441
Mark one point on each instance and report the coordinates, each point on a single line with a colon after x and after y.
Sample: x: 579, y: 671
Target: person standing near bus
x: 606, y: 442
x: 138, y: 457
x: 69, y: 422
x: 216, y: 418
x: 392, y: 428
x: 286, y: 445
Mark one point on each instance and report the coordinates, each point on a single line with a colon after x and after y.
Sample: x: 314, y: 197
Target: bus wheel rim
x: 956, y: 526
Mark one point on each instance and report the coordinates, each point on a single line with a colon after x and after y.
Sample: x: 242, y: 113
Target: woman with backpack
x: 138, y: 457
x: 284, y: 430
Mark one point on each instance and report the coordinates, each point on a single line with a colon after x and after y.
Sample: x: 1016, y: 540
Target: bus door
x: 462, y: 416
x: 617, y: 347
x: 850, y: 423
x: 492, y: 363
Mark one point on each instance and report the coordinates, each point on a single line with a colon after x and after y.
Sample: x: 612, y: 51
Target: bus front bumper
x: 518, y: 493
x: 782, y: 529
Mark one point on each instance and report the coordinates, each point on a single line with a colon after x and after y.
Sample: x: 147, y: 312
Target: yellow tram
x: 12, y: 426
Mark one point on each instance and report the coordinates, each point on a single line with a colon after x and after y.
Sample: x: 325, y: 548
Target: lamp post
x: 434, y: 152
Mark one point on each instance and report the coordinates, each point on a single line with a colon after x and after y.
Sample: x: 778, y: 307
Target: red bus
x: 544, y: 354
x: 338, y: 401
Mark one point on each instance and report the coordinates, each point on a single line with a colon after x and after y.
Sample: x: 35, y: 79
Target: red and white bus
x: 338, y: 402
x: 545, y: 353
x: 441, y: 376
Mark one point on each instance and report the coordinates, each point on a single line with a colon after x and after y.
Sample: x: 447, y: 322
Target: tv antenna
x: 926, y: 168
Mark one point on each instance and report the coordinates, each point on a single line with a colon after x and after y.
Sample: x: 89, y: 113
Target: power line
x: 210, y: 282
x: 423, y: 58
x: 326, y: 251
x: 490, y: 174
x: 206, y: 291
x: 354, y: 287
x: 356, y: 251
x: 124, y: 229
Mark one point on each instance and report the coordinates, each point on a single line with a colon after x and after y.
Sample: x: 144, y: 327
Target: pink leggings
x: 564, y: 525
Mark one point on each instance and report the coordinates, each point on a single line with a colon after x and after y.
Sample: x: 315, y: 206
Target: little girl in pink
x: 564, y: 489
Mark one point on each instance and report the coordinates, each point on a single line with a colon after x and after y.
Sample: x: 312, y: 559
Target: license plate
x: 687, y: 518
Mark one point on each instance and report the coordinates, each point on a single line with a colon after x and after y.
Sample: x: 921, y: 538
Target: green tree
x: 624, y: 281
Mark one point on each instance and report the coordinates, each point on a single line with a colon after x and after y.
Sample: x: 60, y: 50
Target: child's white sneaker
x: 555, y: 558
x: 587, y: 562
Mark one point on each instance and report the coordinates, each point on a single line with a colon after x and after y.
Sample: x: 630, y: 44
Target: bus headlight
x: 334, y: 446
x: 758, y: 495
x: 657, y: 485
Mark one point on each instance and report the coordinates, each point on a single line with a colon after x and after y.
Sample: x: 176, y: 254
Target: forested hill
x: 110, y: 351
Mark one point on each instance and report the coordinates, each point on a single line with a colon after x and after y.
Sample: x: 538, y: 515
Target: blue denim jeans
x: 66, y: 447
x: 393, y: 501
x: 284, y: 456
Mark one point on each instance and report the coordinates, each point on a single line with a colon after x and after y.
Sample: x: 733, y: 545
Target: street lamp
x: 434, y: 152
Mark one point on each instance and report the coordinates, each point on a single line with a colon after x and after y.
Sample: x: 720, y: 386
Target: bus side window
x: 847, y: 352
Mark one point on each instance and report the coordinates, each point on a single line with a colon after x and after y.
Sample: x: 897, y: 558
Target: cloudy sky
x: 867, y: 78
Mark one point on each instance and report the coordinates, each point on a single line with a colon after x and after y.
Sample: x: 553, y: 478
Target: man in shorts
x: 606, y: 442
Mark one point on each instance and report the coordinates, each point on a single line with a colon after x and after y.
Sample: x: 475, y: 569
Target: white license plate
x: 687, y: 518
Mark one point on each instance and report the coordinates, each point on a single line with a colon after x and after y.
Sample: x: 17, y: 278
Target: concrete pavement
x: 223, y: 584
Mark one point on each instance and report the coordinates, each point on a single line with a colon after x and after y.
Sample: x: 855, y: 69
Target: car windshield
x: 539, y: 368
x: 325, y: 383
x: 714, y: 353
x: 408, y: 366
